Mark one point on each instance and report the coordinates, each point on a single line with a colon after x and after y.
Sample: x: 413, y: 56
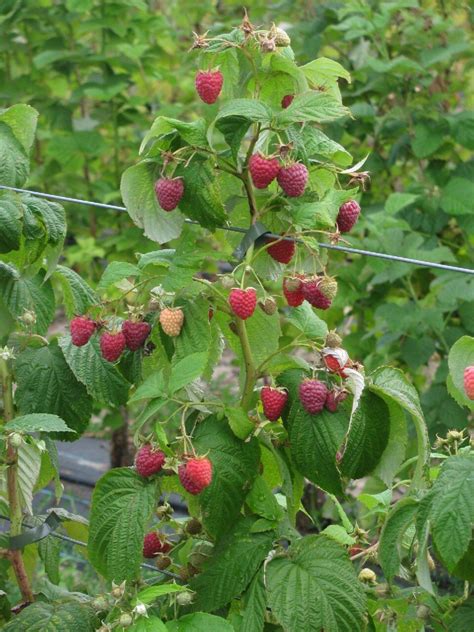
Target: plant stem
x: 250, y: 372
x: 16, y: 514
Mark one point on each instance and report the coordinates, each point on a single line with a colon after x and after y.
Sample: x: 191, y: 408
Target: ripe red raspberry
x: 171, y: 321
x: 469, y: 381
x: 209, y: 85
x: 282, y: 250
x: 169, y: 192
x: 112, y: 345
x: 314, y: 296
x: 81, y: 328
x: 149, y: 461
x: 135, y: 332
x: 263, y: 170
x: 348, y: 216
x: 195, y: 475
x: 287, y: 100
x: 293, y: 179
x: 293, y: 290
x: 154, y: 544
x: 273, y: 400
x: 243, y: 302
x: 333, y: 400
x: 313, y: 395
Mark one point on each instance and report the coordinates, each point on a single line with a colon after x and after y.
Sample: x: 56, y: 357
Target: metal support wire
x: 66, y: 538
x: 236, y: 229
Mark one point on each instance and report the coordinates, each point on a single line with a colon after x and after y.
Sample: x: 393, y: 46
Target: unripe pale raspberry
x: 171, y: 321
x: 81, y: 328
x: 135, y: 332
x: 169, y: 192
x: 469, y: 381
x: 125, y: 620
x: 293, y: 179
x: 193, y: 526
x: 112, y: 345
x: 269, y: 306
x: 287, y: 100
x: 209, y: 85
x: 263, y: 170
x: 313, y: 395
x: 333, y: 340
x: 195, y: 475
x: 243, y: 302
x: 328, y: 286
x: 281, y: 250
x: 348, y: 216
x: 281, y: 37
x: 274, y: 401
x: 149, y: 461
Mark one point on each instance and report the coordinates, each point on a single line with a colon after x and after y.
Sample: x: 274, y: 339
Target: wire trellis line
x: 66, y: 538
x: 236, y: 229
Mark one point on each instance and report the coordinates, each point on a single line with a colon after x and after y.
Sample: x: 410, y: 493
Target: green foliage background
x: 99, y: 72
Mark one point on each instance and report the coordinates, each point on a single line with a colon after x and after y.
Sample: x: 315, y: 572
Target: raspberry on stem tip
x: 171, y: 321
x: 293, y: 179
x: 263, y: 170
x: 273, y: 401
x: 169, y: 192
x: 209, y: 85
x: 281, y: 250
x: 243, y: 302
x: 195, y: 474
x: 81, y: 328
x: 348, y: 216
x: 135, y: 332
x: 469, y: 381
x: 148, y: 460
x: 313, y: 394
x: 112, y: 345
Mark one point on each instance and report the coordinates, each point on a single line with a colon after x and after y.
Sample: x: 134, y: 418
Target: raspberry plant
x: 301, y: 410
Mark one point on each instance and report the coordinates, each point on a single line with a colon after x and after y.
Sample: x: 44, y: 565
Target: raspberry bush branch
x: 14, y: 503
x: 306, y: 411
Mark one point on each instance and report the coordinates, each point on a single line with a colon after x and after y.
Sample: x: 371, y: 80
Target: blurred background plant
x: 99, y: 71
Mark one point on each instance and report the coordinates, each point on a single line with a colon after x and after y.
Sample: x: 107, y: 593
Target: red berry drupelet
x: 293, y: 290
x: 154, y: 544
x: 263, y: 170
x: 313, y: 394
x: 209, y: 85
x: 112, y: 345
x: 287, y: 100
x: 282, y: 250
x: 149, y: 461
x: 469, y: 381
x: 313, y: 294
x: 333, y: 399
x: 81, y: 328
x: 169, y: 192
x: 135, y: 332
x: 293, y: 179
x: 243, y: 302
x: 274, y: 401
x: 348, y: 216
x: 195, y: 475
